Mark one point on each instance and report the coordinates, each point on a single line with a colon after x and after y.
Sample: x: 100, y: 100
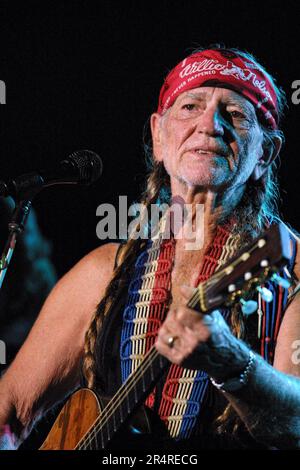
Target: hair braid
x: 125, y: 259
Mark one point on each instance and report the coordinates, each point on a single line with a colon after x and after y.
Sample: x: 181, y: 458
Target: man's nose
x: 211, y: 122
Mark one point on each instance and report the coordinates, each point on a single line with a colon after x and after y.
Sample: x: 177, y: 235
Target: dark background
x: 87, y: 75
x: 84, y: 74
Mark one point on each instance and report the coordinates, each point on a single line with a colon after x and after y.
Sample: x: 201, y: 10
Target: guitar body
x: 74, y: 420
x: 78, y: 415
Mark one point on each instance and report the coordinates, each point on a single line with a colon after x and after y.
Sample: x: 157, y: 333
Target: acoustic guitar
x: 89, y: 422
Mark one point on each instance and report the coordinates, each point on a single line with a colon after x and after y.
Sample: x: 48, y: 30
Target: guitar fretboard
x: 132, y: 393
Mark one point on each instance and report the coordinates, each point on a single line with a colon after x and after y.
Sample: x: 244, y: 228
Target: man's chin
x: 204, y: 182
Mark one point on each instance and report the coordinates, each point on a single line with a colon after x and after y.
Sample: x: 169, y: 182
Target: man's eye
x: 237, y: 114
x: 189, y: 106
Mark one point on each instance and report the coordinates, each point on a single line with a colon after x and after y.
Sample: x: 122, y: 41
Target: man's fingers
x: 211, y: 201
x: 187, y: 291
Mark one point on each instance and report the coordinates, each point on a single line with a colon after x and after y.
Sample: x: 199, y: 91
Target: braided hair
x: 154, y: 193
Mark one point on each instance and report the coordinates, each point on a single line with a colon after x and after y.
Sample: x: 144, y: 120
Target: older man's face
x: 210, y: 138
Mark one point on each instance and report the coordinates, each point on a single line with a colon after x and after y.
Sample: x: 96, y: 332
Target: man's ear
x: 155, y: 123
x: 269, y: 152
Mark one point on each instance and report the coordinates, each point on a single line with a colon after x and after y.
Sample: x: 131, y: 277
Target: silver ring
x: 171, y: 341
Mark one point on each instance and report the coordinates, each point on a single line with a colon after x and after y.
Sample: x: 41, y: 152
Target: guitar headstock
x: 247, y: 271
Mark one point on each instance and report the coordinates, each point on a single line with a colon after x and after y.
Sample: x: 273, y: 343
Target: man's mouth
x: 202, y: 151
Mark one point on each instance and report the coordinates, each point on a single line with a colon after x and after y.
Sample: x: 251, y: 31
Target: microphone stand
x: 15, y: 227
x: 81, y: 167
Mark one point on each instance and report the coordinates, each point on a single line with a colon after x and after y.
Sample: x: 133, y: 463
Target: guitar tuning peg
x: 265, y: 293
x: 281, y: 281
x: 248, y: 306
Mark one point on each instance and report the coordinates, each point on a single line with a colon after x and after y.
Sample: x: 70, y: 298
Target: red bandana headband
x: 222, y: 68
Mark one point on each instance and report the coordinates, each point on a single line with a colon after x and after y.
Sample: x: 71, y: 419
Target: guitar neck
x: 132, y: 394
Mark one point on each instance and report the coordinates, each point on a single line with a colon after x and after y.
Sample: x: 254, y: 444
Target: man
x: 215, y: 137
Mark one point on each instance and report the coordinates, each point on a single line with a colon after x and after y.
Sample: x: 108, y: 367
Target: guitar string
x: 126, y: 388
x: 99, y: 422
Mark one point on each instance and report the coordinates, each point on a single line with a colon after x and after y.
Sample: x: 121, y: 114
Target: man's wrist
x: 238, y: 382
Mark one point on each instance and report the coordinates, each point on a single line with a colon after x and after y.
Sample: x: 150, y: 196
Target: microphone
x: 82, y: 167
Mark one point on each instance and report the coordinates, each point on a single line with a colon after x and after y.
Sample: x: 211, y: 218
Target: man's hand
x: 197, y: 341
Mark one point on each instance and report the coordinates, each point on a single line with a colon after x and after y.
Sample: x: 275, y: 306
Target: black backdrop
x: 83, y: 74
